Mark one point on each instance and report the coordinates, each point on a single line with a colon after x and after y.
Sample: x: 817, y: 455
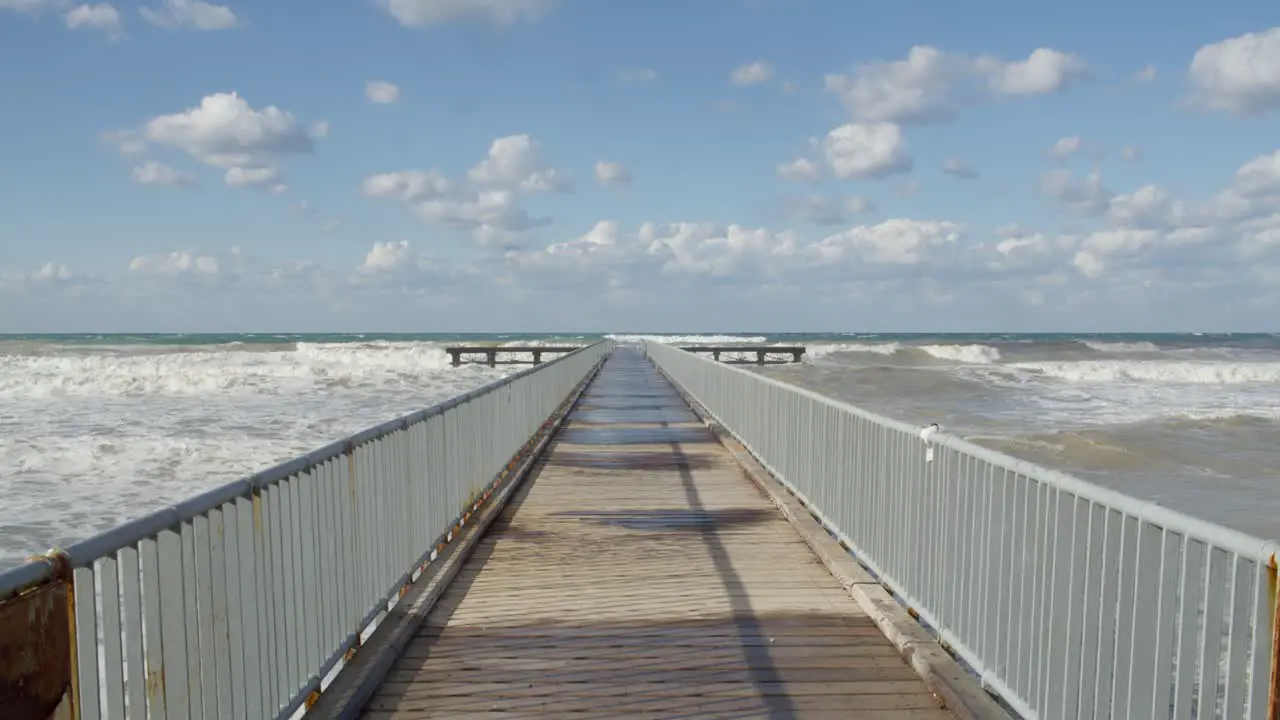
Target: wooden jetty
x: 637, y: 572
x: 491, y: 353
x: 764, y: 354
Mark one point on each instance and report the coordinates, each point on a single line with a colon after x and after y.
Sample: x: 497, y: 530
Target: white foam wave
x: 1230, y: 414
x: 971, y: 354
x: 1121, y: 347
x: 309, y: 366
x: 825, y: 349
x: 691, y: 339
x: 90, y: 439
x: 1154, y: 371
x: 544, y: 343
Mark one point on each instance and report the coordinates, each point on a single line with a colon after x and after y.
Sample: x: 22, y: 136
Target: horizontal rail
x: 1068, y: 599
x: 240, y: 602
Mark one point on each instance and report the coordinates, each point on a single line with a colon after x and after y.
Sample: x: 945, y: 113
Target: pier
x: 640, y: 531
x: 764, y: 354
x: 491, y: 353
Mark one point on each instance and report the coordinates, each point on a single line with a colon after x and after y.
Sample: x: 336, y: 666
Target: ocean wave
x: 1155, y: 371
x: 825, y: 349
x: 971, y: 354
x: 309, y: 366
x: 1121, y: 347
x: 691, y: 339
x: 965, y: 354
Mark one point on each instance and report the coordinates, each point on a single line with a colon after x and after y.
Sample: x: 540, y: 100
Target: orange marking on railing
x: 1273, y: 590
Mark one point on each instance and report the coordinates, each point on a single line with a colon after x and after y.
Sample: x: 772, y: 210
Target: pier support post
x: 455, y: 357
x: 492, y: 356
x: 537, y: 357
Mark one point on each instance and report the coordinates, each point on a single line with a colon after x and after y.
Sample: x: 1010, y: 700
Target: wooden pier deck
x: 639, y: 573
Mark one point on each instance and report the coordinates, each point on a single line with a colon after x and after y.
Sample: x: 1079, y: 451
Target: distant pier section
x: 494, y: 355
x: 750, y: 354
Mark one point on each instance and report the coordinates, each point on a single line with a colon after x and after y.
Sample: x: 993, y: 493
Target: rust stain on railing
x: 1273, y: 590
x: 36, y: 649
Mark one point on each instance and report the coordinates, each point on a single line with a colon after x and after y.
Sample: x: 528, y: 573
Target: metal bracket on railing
x: 925, y: 434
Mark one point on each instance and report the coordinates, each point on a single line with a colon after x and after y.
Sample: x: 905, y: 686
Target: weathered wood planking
x: 639, y: 574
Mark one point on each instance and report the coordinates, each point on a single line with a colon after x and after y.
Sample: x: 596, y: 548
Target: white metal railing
x: 1067, y: 599
x: 240, y: 602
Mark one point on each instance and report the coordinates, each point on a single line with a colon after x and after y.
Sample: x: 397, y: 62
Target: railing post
x: 38, y: 647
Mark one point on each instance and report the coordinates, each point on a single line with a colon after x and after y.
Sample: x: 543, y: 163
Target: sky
x: 639, y: 165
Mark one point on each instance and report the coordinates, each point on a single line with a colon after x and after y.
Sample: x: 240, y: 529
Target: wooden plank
x: 650, y: 579
x: 702, y: 712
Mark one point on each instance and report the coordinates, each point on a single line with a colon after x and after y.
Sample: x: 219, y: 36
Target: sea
x: 99, y: 429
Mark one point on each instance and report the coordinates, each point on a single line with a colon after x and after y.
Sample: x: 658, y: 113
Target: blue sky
x: 726, y: 164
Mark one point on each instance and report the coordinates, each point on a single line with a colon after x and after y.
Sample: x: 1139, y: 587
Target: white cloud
x: 50, y: 272
x: 1146, y: 75
x: 387, y: 256
x: 190, y: 15
x: 1148, y: 230
x: 752, y: 73
x: 485, y: 202
x: 177, y: 262
x: 1239, y: 75
x: 1131, y: 153
x: 408, y: 186
x: 898, y: 241
x: 866, y: 150
x: 102, y: 17
x: 252, y: 177
x: 514, y: 162
x: 1044, y: 71
x: 1065, y: 148
x: 612, y: 173
x: 381, y: 92
x: 917, y: 89
x: 824, y: 210
x: 1086, y: 197
x: 959, y: 168
x: 398, y: 259
x: 638, y: 76
x: 226, y: 132
x: 855, y: 205
x: 159, y: 174
x: 1260, y: 176
x: 126, y: 142
x: 746, y: 254
x: 929, y: 83
x: 501, y: 13
x: 1144, y: 248
x: 678, y: 249
x: 25, y: 6
x: 1148, y: 206
x: 799, y: 170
